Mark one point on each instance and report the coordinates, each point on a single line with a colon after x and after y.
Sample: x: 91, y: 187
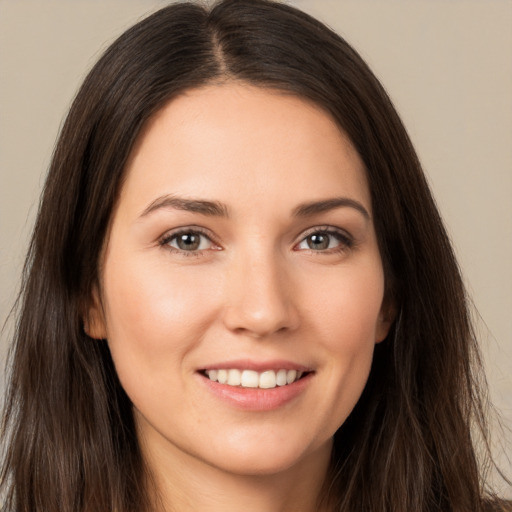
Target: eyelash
x: 166, y: 240
x: 346, y: 242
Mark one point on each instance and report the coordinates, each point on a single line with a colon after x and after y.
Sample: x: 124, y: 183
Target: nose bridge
x: 259, y: 293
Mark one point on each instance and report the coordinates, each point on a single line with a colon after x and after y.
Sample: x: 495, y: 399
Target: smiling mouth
x: 267, y: 379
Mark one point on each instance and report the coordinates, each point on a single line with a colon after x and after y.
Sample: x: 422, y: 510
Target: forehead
x: 234, y: 141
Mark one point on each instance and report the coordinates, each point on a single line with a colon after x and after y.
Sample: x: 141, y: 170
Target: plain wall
x: 446, y: 64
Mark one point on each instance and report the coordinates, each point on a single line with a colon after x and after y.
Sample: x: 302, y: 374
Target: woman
x: 239, y: 293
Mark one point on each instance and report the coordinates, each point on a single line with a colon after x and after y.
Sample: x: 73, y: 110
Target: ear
x: 94, y: 317
x: 386, y: 318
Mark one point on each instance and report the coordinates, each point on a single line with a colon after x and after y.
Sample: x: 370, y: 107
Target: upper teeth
x: 251, y: 379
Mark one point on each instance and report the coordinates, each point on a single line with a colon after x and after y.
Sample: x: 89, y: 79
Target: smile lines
x: 252, y: 379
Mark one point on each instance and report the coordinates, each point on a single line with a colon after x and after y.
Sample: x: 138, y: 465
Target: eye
x: 188, y: 241
x: 324, y: 240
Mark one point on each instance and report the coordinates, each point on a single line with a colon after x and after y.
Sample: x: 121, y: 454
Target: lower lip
x: 257, y: 399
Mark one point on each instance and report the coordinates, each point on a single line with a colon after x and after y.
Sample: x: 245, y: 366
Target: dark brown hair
x: 68, y: 426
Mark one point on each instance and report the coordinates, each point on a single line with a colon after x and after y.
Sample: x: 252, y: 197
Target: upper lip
x: 258, y: 366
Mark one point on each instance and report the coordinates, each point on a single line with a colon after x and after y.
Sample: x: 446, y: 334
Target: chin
x: 256, y: 465
x: 271, y: 458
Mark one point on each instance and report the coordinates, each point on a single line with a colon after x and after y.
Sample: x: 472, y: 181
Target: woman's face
x: 242, y: 286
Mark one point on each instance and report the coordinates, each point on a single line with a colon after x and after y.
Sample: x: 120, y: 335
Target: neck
x: 182, y: 483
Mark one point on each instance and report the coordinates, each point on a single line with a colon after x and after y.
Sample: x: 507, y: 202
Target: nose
x: 259, y: 298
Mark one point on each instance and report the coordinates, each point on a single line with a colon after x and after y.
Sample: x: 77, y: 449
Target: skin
x: 256, y: 289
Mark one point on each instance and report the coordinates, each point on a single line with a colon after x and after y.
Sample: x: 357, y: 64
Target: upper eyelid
x: 325, y: 229
x: 171, y: 233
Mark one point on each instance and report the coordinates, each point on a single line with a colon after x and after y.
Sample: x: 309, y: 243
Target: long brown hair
x: 68, y: 425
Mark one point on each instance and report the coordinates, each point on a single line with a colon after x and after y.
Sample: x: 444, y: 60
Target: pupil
x: 188, y: 242
x: 318, y: 242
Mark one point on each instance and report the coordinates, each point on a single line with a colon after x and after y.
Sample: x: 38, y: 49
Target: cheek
x: 156, y: 317
x: 346, y: 306
x: 152, y: 310
x: 346, y: 320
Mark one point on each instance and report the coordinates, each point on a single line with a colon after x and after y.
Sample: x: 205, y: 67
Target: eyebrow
x: 209, y: 208
x: 316, y: 207
x: 218, y: 209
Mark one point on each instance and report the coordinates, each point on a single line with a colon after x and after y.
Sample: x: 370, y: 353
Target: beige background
x: 446, y: 63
